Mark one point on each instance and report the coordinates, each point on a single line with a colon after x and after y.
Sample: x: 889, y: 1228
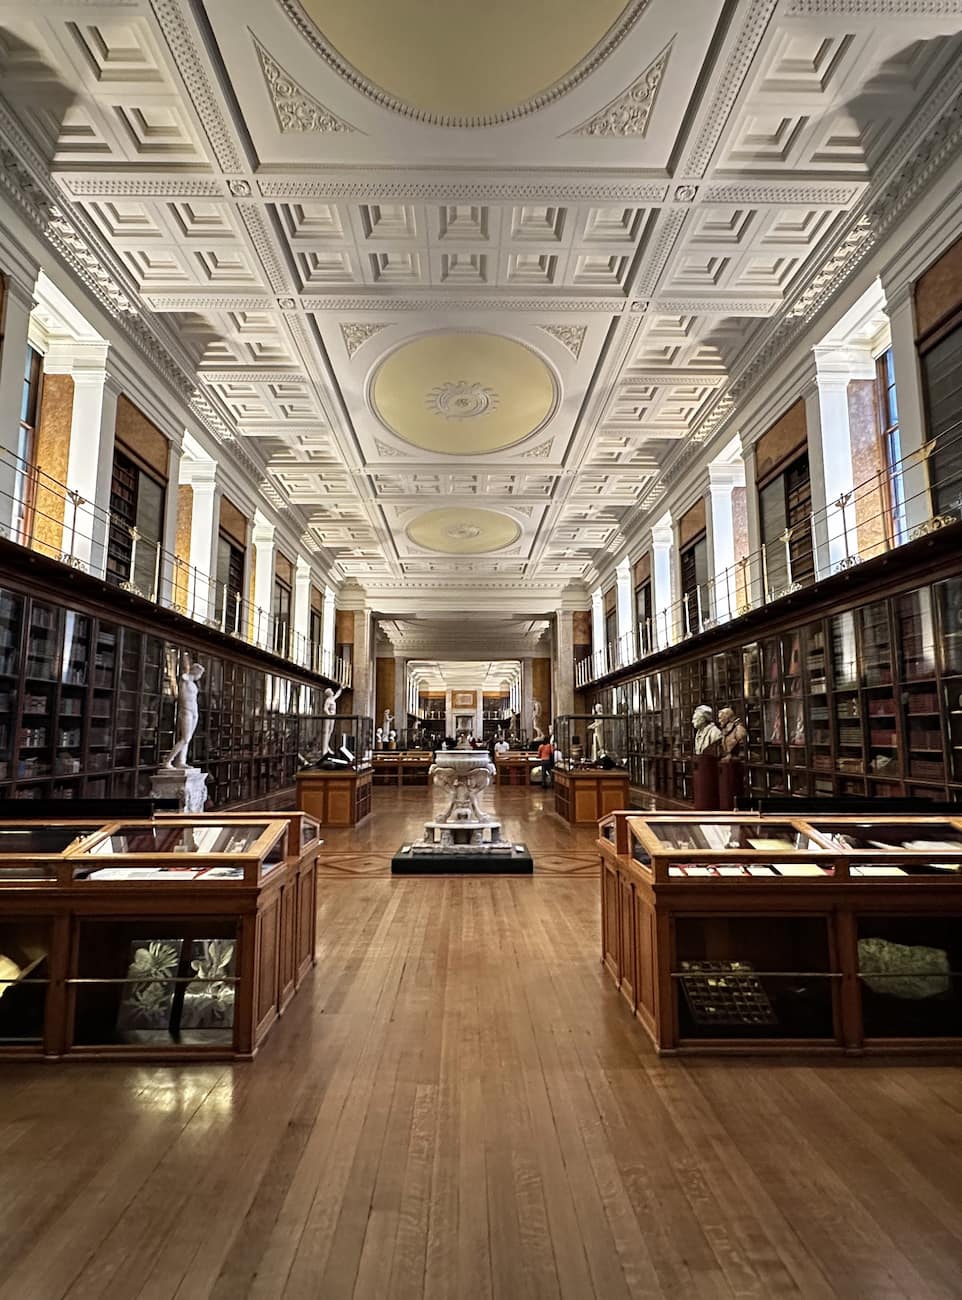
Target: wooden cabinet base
x: 585, y: 796
x: 335, y: 797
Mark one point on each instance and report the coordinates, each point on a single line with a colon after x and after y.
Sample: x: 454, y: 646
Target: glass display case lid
x: 194, y: 837
x: 730, y: 836
x: 861, y: 836
x: 39, y: 838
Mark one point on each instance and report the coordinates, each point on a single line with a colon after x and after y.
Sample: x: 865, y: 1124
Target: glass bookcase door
x: 100, y: 734
x: 793, y: 695
x: 846, y: 696
x: 69, y: 755
x: 948, y: 597
x: 819, y: 726
x: 11, y: 626
x: 880, y: 705
x: 37, y: 740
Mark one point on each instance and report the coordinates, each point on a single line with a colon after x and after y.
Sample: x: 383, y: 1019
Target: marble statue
x: 329, y: 709
x: 186, y: 725
x: 379, y: 738
x: 536, y: 717
x: 387, y: 724
x: 596, y: 730
x: 734, y: 733
x: 707, y: 735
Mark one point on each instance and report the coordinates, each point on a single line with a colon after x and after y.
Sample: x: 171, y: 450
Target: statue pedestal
x: 188, y: 785
x: 731, y: 783
x: 706, y: 783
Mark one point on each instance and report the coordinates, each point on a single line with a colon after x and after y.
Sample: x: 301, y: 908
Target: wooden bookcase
x: 88, y: 694
x: 857, y: 693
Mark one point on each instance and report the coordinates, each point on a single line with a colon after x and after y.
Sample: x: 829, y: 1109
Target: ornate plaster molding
x: 384, y: 99
x: 570, y: 336
x: 439, y: 189
x: 627, y: 114
x: 356, y: 333
x: 739, y: 62
x: 335, y: 302
x: 295, y: 109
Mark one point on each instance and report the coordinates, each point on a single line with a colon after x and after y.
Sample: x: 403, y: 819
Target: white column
x: 264, y: 546
x: 599, y: 656
x: 754, y: 576
x: 201, y: 477
x: 90, y: 459
x: 328, y: 614
x: 900, y: 307
x: 625, y: 595
x: 168, y: 568
x: 830, y: 453
x: 662, y: 583
x: 723, y: 478
x: 18, y: 303
x: 301, y: 647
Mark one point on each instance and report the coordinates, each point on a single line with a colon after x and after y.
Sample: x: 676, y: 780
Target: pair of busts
x: 724, y: 738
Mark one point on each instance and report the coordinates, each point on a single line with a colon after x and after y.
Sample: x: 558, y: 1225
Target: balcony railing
x: 55, y: 521
x: 877, y: 516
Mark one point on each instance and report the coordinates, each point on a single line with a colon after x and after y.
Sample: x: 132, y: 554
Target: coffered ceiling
x: 469, y: 283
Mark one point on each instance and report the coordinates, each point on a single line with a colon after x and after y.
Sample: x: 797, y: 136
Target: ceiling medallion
x: 462, y: 532
x: 307, y: 14
x: 461, y: 400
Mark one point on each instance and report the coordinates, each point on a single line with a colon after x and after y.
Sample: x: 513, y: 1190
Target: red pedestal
x: 706, y: 783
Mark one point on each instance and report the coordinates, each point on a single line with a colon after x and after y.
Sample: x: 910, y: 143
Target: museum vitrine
x: 592, y: 739
x: 169, y: 937
x: 735, y: 933
x: 336, y: 741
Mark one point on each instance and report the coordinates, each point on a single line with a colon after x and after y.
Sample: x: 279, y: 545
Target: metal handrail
x: 842, y: 535
x: 54, y: 520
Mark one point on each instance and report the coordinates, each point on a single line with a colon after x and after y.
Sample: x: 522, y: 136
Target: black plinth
x: 462, y: 860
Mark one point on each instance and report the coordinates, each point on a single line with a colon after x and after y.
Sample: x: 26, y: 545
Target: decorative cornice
x: 356, y: 333
x: 384, y: 99
x: 295, y: 109
x: 570, y: 336
x: 627, y: 114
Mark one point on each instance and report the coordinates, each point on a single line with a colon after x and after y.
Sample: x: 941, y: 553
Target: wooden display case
x: 335, y: 796
x: 786, y: 934
x: 584, y: 795
x: 402, y: 766
x: 515, y: 769
x: 175, y: 938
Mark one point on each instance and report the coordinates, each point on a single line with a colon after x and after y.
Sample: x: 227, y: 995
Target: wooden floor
x: 459, y: 1106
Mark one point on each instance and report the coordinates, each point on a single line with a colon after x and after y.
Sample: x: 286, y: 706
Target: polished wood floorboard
x: 527, y: 816
x: 458, y: 1105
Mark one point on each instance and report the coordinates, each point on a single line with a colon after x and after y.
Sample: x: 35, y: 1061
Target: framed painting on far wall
x: 465, y: 700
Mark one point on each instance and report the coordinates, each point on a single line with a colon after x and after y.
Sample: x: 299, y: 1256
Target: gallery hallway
x: 459, y: 1105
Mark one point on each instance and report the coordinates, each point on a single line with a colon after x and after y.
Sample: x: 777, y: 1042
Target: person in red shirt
x: 546, y: 757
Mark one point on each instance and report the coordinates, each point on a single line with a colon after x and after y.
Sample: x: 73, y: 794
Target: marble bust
x: 708, y: 737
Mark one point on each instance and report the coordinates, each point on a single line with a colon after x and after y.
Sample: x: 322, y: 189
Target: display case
x: 734, y: 933
x: 335, y: 783
x: 169, y: 938
x: 591, y: 740
x: 341, y: 741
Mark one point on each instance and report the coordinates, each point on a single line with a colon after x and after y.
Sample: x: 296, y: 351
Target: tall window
x: 611, y: 636
x: 694, y: 583
x: 942, y: 383
x: 137, y: 502
x: 315, y: 633
x: 643, y: 618
x: 281, y: 609
x: 230, y: 583
x: 25, y: 471
x: 785, y: 506
x: 889, y: 433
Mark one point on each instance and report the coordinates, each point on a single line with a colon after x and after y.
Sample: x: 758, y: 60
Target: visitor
x: 501, y: 747
x: 546, y: 757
